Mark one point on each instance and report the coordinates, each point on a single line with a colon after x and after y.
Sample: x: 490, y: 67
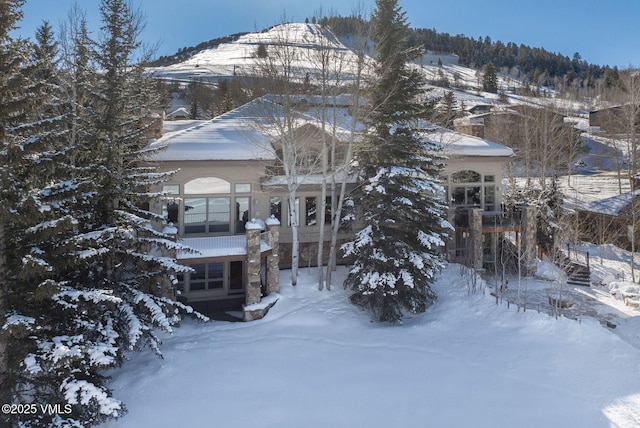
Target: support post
x: 450, y: 244
x: 273, y: 260
x: 252, y: 289
x: 475, y: 223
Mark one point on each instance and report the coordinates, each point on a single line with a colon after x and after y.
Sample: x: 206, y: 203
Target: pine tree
x: 490, y: 78
x: 88, y: 278
x: 13, y: 99
x: 399, y: 250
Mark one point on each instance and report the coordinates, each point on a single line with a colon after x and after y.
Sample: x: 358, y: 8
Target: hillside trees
x: 623, y: 125
x: 88, y: 280
x: 623, y: 122
x: 399, y: 249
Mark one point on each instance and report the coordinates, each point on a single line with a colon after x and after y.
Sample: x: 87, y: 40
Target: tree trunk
x: 295, y: 244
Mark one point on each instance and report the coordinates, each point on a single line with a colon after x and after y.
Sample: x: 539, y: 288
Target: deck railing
x: 489, y: 218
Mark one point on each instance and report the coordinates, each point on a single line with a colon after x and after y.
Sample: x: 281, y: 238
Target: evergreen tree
x: 490, y: 79
x: 13, y: 101
x: 227, y: 103
x: 88, y: 278
x: 399, y: 250
x: 261, y: 51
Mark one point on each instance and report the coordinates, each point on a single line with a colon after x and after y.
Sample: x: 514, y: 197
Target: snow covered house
x: 473, y: 179
x: 611, y: 220
x: 228, y: 173
x: 178, y: 114
x: 227, y: 188
x: 616, y: 119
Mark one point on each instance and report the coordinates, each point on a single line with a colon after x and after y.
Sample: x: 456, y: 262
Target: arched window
x: 207, y: 185
x: 466, y: 176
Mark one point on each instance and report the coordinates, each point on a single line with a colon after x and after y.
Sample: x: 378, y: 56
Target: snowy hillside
x: 240, y: 57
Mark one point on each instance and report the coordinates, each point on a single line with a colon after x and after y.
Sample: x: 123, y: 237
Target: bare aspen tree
x: 341, y: 166
x: 328, y: 63
x: 281, y: 74
x: 622, y: 124
x: 336, y: 70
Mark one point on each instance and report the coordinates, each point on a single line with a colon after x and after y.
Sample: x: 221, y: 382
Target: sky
x: 604, y: 33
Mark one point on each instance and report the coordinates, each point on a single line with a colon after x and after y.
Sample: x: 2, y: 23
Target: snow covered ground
x: 318, y: 361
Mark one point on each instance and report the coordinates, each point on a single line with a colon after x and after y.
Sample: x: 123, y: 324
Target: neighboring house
x: 178, y: 114
x: 227, y: 173
x: 480, y: 109
x: 611, y: 220
x: 473, y: 186
x: 616, y: 119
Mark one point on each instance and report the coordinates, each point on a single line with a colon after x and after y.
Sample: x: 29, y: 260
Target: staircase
x: 577, y: 273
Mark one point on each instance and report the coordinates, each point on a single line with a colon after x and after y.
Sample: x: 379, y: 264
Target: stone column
x: 529, y: 242
x: 475, y: 224
x: 252, y: 287
x: 273, y: 260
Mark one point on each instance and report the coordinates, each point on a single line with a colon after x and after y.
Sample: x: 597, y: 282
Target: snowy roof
x: 226, y: 137
x: 182, y: 111
x: 459, y: 144
x: 246, y: 133
x: 612, y: 205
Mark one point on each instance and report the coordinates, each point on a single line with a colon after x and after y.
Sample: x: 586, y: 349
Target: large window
x: 327, y: 210
x: 171, y: 204
x: 469, y: 189
x: 207, y: 185
x: 275, y: 205
x: 207, y: 276
x: 241, y: 213
x: 206, y: 215
x: 211, y: 207
x: 218, y: 278
x: 311, y: 211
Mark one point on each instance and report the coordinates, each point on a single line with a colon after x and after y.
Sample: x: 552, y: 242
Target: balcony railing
x: 490, y: 219
x: 220, y: 246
